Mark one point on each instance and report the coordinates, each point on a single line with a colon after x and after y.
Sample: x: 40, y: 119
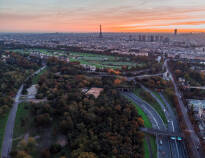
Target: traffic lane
x: 172, y: 115
x: 162, y: 149
x: 148, y: 113
x: 151, y: 109
x: 158, y: 101
x: 193, y: 136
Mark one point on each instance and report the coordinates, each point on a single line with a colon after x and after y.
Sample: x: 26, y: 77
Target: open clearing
x: 98, y: 60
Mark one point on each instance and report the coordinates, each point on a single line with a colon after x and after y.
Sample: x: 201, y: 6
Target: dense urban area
x: 107, y: 95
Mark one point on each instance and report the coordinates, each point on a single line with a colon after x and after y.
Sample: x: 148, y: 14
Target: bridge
x: 143, y: 76
x: 160, y: 133
x: 195, y: 87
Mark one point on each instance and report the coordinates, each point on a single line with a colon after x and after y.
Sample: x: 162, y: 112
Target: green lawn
x: 146, y: 149
x: 154, y: 145
x: 159, y: 97
x: 22, y: 113
x: 3, y: 121
x: 36, y: 78
x: 20, y: 129
x: 147, y: 124
x: 98, y: 60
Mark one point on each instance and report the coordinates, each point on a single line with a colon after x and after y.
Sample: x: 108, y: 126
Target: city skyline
x: 114, y: 15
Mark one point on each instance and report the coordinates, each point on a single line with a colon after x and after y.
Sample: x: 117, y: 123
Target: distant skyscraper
x: 144, y: 38
x: 175, y: 31
x: 157, y: 38
x: 152, y: 38
x: 161, y: 38
x: 140, y: 37
x: 100, y: 35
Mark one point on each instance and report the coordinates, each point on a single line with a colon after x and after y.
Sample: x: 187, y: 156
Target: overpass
x: 196, y: 87
x: 160, y: 132
x: 143, y: 76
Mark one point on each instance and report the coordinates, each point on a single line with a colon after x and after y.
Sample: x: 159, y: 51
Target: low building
x: 89, y: 67
x: 95, y: 92
x: 198, y: 107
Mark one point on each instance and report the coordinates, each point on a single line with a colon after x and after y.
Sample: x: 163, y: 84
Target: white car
x: 160, y: 142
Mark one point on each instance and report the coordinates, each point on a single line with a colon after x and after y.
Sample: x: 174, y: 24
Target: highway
x: 173, y: 125
x: 193, y: 135
x: 157, y: 123
x: 194, y: 87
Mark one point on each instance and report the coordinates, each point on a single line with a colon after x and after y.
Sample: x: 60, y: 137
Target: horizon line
x: 107, y: 32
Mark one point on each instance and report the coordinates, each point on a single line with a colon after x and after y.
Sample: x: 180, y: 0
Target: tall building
x: 175, y: 31
x: 152, y: 38
x: 140, y: 37
x: 100, y: 35
x: 156, y: 38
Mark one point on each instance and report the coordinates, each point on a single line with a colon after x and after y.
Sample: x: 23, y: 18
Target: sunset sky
x: 114, y: 15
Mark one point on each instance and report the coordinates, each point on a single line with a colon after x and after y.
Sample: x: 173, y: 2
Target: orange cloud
x: 119, y: 19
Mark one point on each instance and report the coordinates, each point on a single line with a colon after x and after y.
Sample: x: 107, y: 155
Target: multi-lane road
x: 193, y: 136
x: 172, y: 126
x: 157, y: 123
x: 172, y: 148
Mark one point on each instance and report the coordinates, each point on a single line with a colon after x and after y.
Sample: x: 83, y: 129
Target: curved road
x: 157, y: 123
x: 173, y: 126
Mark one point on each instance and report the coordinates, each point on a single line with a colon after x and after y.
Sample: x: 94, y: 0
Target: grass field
x: 147, y: 122
x: 153, y: 145
x: 159, y: 97
x: 98, y: 60
x: 146, y: 149
x: 37, y: 77
x: 22, y: 113
x: 3, y: 120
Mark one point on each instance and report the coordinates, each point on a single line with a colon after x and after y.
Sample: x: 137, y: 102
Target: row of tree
x: 13, y: 72
x: 103, y: 127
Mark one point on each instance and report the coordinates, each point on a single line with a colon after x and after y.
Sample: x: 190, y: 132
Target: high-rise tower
x: 175, y: 31
x: 100, y: 35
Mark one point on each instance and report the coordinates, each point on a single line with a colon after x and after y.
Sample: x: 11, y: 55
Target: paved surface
x: 193, y: 136
x: 143, y: 76
x: 8, y: 134
x: 193, y: 87
x: 165, y: 133
x: 157, y: 123
x: 172, y: 126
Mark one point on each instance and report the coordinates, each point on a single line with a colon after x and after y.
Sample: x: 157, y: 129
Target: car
x: 179, y: 138
x: 173, y: 138
x: 160, y: 142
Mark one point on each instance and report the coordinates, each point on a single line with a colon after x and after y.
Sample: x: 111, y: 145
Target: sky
x: 114, y: 15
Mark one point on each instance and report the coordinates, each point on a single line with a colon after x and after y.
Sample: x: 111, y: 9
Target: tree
x: 23, y: 154
x: 87, y: 155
